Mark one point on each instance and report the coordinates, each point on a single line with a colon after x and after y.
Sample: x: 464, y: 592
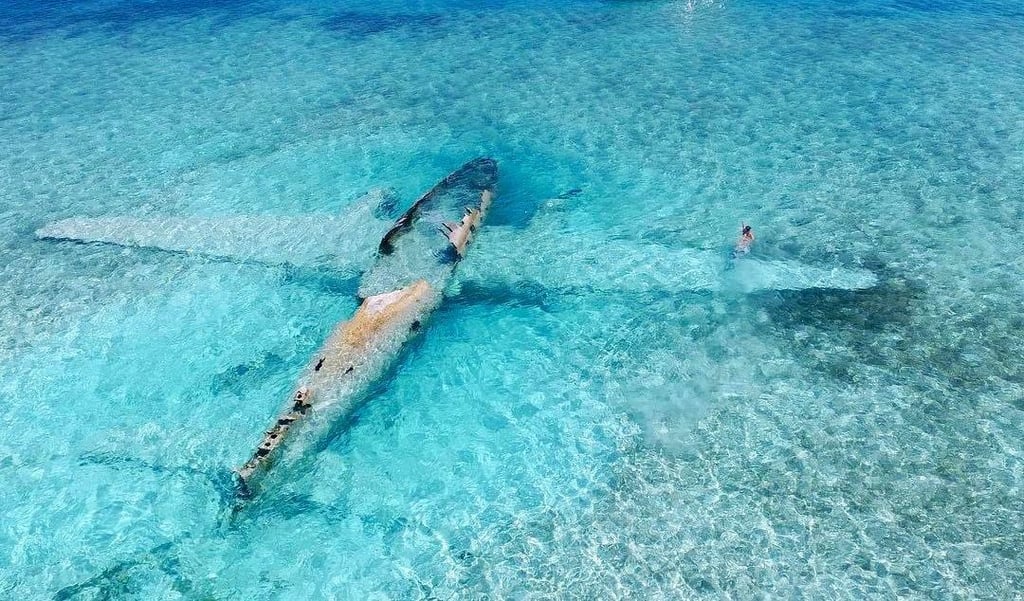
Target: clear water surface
x: 531, y: 444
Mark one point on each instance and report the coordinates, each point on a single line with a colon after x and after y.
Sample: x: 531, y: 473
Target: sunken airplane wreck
x: 398, y: 292
x: 405, y: 267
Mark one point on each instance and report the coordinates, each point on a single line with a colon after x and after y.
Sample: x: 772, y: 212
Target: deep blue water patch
x: 22, y: 20
x: 361, y: 24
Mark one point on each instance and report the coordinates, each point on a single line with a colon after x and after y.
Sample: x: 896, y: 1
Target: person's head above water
x: 746, y: 229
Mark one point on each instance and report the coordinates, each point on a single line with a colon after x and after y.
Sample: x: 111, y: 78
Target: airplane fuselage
x: 403, y: 287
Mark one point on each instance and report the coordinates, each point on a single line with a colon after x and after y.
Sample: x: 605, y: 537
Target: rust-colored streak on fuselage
x: 377, y: 312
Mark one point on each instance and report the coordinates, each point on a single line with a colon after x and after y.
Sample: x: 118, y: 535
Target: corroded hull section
x: 412, y: 248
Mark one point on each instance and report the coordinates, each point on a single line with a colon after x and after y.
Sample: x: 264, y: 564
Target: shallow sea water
x: 531, y: 443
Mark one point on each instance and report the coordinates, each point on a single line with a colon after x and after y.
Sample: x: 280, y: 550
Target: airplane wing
x: 536, y: 256
x: 344, y: 242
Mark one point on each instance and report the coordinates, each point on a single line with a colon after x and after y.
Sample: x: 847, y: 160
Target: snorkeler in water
x: 745, y: 241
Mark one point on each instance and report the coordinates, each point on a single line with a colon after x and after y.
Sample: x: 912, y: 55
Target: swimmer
x: 746, y: 239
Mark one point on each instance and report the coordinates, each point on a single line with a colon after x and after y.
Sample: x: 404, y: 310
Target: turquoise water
x: 535, y: 442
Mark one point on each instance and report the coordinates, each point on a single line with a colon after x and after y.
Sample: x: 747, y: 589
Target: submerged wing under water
x: 345, y: 241
x: 536, y: 257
